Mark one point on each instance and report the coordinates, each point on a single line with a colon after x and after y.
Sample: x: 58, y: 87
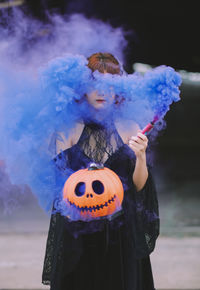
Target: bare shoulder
x: 126, y: 129
x: 67, y: 140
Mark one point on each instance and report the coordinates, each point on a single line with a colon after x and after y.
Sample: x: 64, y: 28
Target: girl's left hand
x: 138, y: 144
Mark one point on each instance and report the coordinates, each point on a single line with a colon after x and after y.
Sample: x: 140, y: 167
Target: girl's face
x: 99, y: 101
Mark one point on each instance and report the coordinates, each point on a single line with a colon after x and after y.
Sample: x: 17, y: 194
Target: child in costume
x: 106, y: 253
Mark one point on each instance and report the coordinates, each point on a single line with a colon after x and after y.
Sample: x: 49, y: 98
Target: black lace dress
x: 105, y: 254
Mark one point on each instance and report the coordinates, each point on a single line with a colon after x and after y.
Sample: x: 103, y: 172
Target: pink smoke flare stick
x: 149, y: 126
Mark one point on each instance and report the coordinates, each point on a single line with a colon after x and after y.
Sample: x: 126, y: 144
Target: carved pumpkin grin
x: 94, y: 208
x: 93, y: 192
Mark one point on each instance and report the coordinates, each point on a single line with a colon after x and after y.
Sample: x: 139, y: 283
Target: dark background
x: 164, y: 32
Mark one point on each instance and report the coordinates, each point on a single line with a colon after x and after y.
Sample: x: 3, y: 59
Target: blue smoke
x: 33, y: 110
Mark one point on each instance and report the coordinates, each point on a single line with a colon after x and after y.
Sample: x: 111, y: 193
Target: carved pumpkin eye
x: 80, y: 189
x: 98, y: 187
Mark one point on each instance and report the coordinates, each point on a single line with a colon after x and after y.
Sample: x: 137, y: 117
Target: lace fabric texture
x: 99, y: 143
x: 136, y: 238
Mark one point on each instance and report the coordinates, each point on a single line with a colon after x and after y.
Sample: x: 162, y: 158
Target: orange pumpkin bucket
x: 94, y: 192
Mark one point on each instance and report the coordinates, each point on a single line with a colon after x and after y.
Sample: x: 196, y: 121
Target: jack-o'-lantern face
x: 94, y: 192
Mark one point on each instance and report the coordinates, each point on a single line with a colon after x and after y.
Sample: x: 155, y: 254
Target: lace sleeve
x: 145, y: 215
x: 61, y: 246
x: 51, y: 249
x: 54, y: 243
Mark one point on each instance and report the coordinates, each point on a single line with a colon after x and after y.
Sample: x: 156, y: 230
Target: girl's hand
x: 138, y: 144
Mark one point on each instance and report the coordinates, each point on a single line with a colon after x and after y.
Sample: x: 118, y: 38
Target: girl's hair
x: 104, y: 62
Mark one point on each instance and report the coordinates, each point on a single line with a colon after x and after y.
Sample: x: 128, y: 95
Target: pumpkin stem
x: 95, y: 166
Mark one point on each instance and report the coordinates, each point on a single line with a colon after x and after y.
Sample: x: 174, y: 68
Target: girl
x: 105, y: 254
